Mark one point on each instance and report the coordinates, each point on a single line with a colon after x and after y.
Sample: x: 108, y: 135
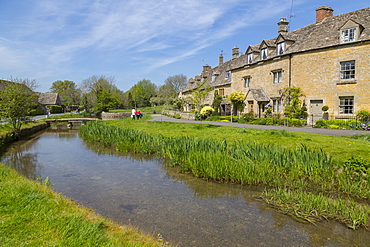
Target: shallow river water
x: 141, y: 191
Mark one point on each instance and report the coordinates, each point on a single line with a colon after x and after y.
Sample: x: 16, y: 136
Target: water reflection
x: 140, y: 190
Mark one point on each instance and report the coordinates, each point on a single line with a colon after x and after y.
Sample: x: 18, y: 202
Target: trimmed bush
x: 55, y: 109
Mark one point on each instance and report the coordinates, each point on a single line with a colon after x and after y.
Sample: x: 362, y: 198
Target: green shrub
x: 248, y: 116
x: 214, y: 118
x: 55, y: 109
x: 325, y: 108
x: 363, y: 115
x: 297, y: 122
x: 321, y: 123
x: 206, y: 111
x: 333, y: 126
x: 338, y: 122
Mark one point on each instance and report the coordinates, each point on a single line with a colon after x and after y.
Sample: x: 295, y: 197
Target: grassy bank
x: 31, y: 214
x: 318, y: 166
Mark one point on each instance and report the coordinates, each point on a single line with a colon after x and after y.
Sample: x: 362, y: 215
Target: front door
x: 315, y: 111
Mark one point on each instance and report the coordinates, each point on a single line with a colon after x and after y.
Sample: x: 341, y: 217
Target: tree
x: 68, y: 90
x: 30, y: 84
x: 168, y: 92
x: 237, y: 100
x: 199, y: 94
x: 100, y: 94
x: 217, y: 102
x: 141, y: 93
x: 291, y: 97
x: 16, y: 103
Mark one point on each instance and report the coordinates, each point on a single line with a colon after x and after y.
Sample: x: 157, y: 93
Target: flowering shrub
x: 206, y: 111
x: 268, y: 110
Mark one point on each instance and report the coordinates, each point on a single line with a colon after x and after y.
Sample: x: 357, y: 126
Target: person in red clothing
x: 138, y: 114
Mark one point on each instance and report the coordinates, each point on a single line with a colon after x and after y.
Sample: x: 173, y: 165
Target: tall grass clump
x: 314, y: 207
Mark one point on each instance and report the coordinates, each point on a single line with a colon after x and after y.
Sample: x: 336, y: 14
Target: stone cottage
x: 327, y: 59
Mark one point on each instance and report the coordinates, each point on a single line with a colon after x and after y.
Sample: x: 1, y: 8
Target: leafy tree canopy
x: 140, y: 94
x: 16, y: 103
x: 100, y: 93
x: 68, y: 90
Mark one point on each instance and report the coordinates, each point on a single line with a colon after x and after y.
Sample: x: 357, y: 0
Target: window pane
x: 347, y: 70
x: 346, y: 105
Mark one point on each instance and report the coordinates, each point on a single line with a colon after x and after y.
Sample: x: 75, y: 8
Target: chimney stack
x: 206, y: 68
x: 283, y: 26
x: 323, y: 12
x: 235, y: 52
x: 220, y: 60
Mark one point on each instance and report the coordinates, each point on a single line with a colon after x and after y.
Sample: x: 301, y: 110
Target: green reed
x: 313, y: 207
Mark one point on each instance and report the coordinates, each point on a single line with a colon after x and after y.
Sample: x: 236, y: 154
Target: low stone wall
x: 114, y: 115
x: 183, y: 115
x: 25, y: 132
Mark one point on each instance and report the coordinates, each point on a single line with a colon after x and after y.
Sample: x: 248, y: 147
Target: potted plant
x: 325, y: 109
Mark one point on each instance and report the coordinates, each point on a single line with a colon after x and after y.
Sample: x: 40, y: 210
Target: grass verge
x: 31, y: 214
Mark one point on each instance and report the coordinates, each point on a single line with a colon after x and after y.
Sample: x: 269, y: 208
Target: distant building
x: 328, y: 60
x: 46, y: 99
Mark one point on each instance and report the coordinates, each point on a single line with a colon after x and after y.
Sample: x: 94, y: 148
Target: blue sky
x: 131, y: 40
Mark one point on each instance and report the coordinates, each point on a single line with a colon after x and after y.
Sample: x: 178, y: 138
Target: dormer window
x: 250, y: 58
x: 349, y: 35
x: 228, y: 74
x: 280, y: 48
x: 264, y: 53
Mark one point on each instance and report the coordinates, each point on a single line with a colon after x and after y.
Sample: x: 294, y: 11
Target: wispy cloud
x: 50, y: 34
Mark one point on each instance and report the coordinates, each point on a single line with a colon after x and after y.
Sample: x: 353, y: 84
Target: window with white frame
x: 347, y: 70
x: 348, y: 35
x: 228, y: 74
x: 250, y: 58
x: 213, y: 78
x: 264, y: 53
x: 276, y: 105
x: 346, y: 105
x: 278, y: 76
x: 247, y: 81
x: 280, y: 48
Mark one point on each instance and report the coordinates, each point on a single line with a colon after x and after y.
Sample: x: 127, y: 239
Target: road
x: 158, y: 117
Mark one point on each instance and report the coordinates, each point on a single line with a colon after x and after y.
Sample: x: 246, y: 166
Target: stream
x: 140, y: 190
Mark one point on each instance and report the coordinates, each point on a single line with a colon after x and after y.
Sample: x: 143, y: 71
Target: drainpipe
x: 290, y: 71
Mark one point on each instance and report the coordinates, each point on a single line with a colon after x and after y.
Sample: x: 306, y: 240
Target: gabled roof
x: 321, y: 34
x: 267, y: 43
x: 252, y: 48
x: 50, y: 99
x: 327, y: 32
x: 258, y: 94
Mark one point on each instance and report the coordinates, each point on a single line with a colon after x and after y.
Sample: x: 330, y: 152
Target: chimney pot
x: 323, y: 12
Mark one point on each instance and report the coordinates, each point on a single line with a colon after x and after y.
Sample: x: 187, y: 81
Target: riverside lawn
x: 31, y: 214
x: 310, y: 176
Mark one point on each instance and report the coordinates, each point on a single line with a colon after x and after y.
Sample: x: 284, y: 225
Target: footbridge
x: 71, y: 121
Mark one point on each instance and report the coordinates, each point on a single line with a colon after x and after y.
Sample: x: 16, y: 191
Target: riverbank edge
x: 115, y: 234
